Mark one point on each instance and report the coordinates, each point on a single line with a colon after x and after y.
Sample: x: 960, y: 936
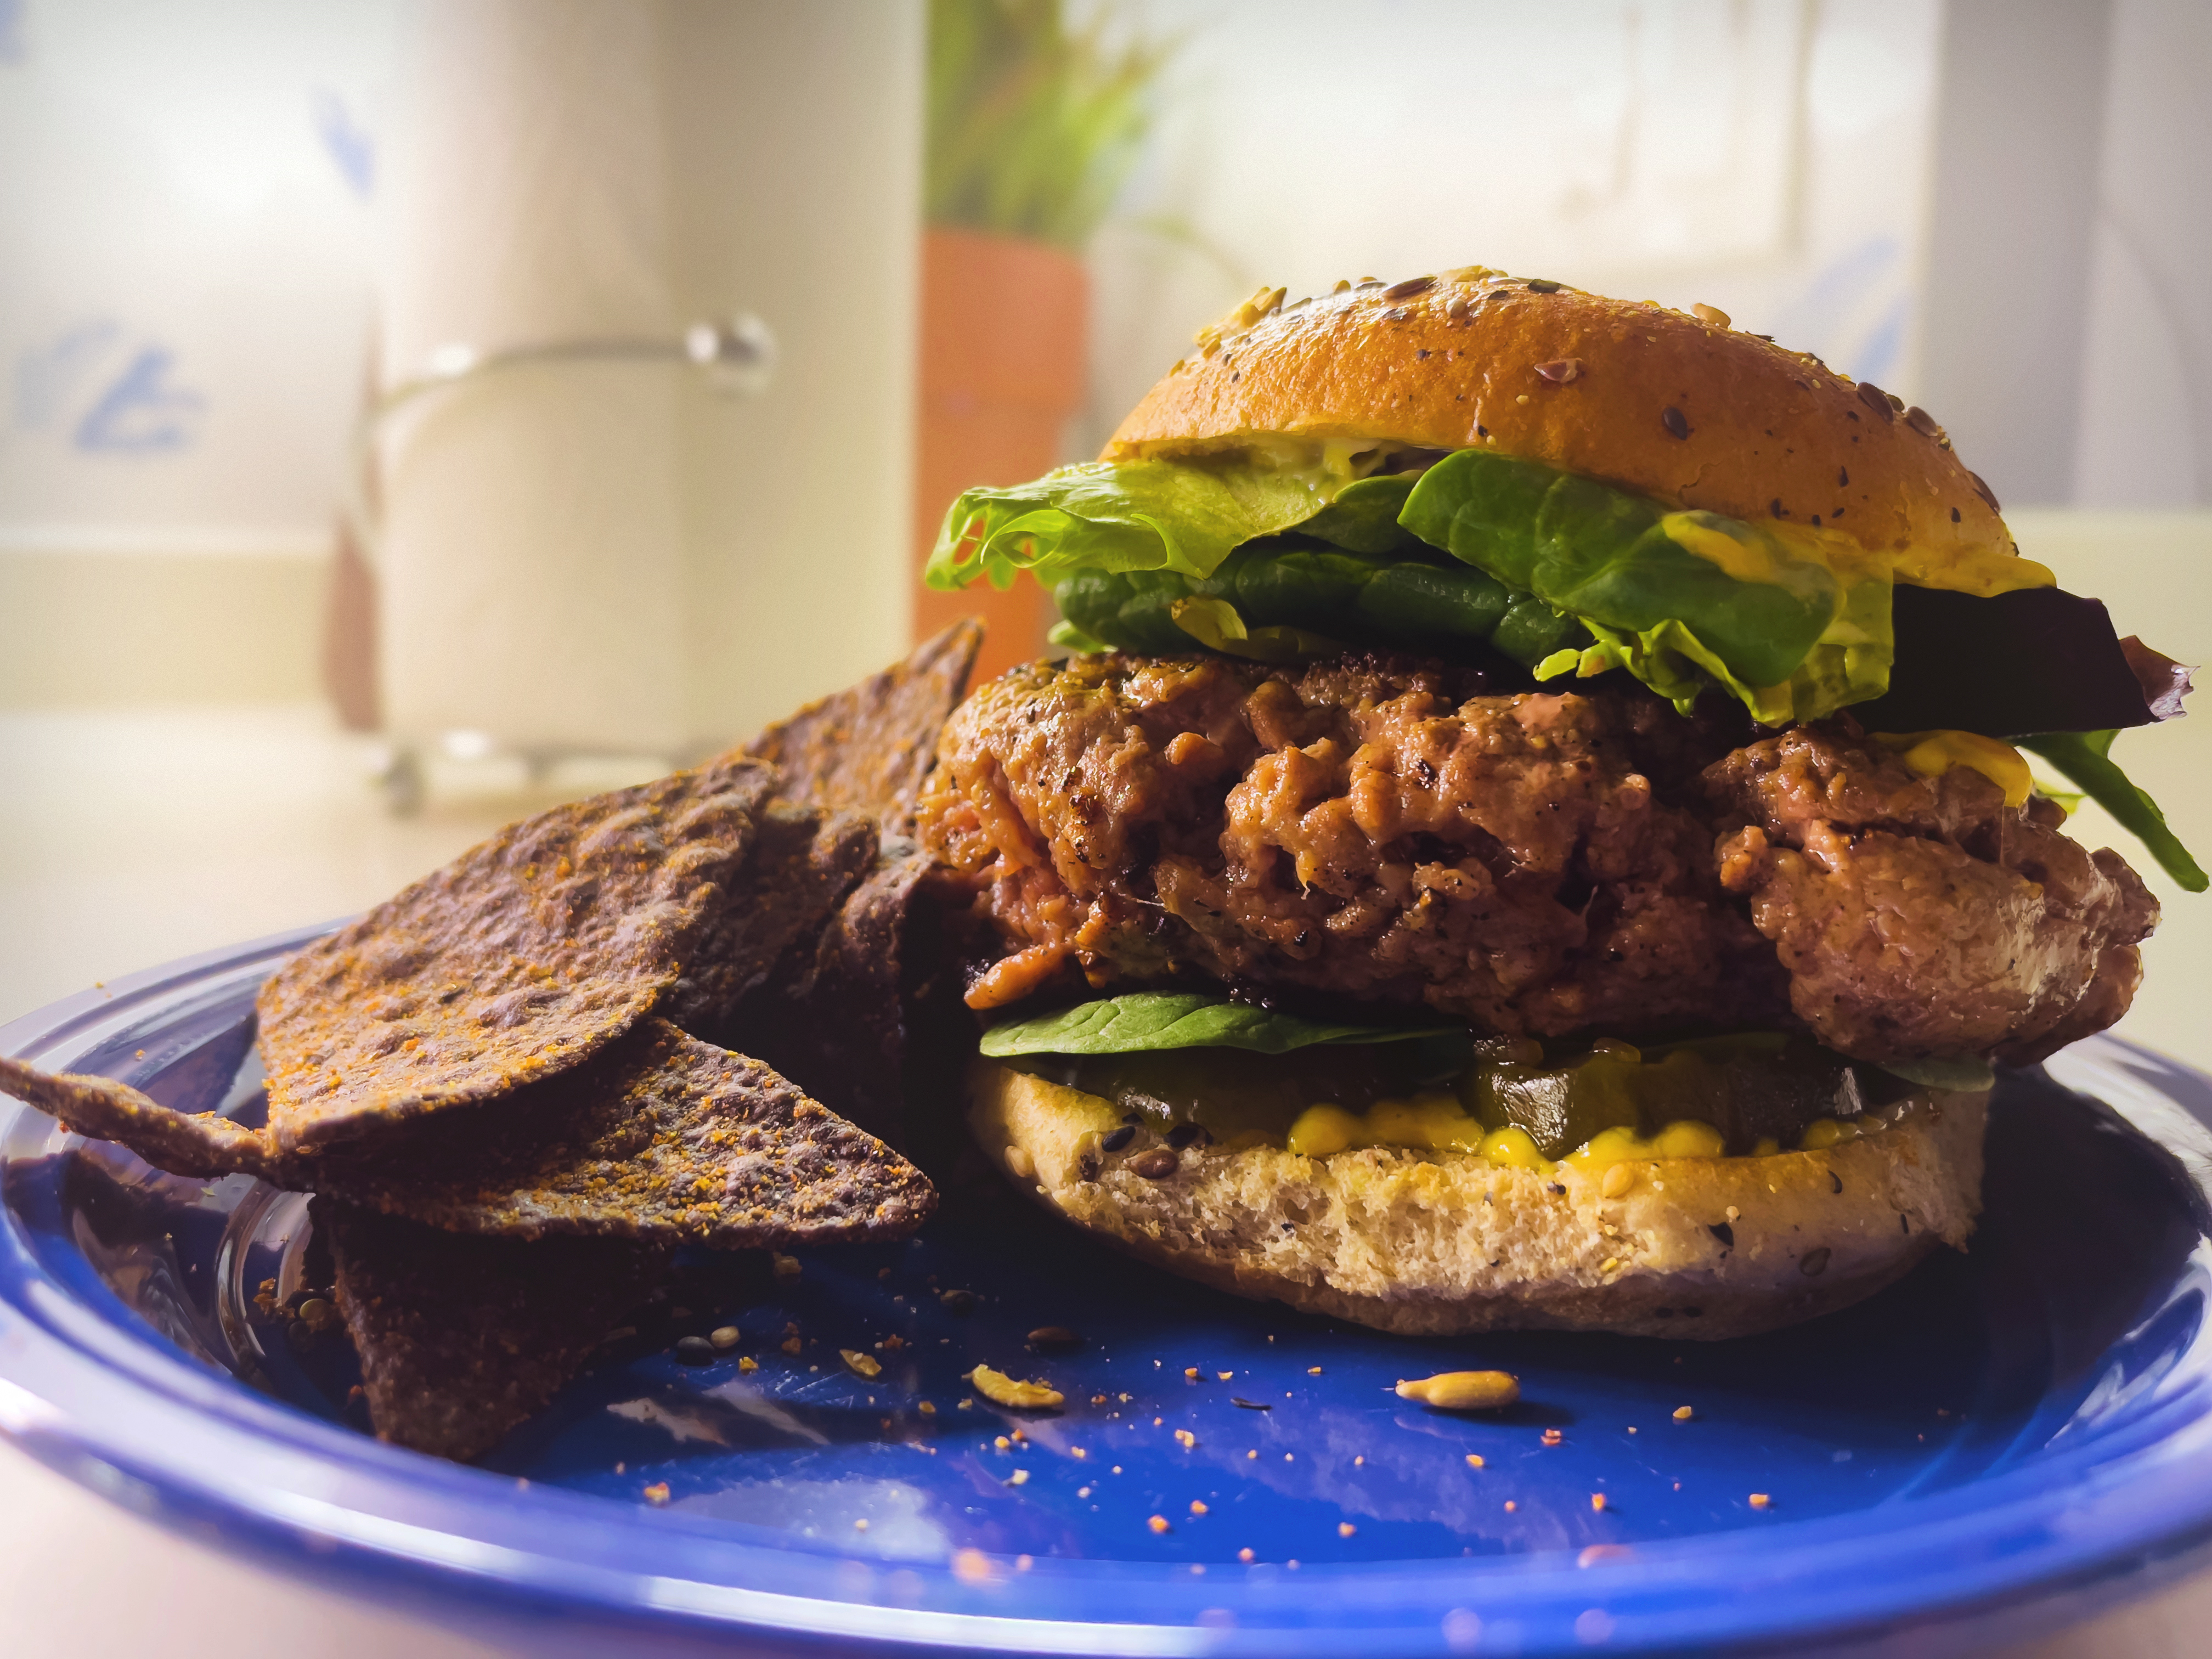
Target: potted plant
x: 1032, y: 127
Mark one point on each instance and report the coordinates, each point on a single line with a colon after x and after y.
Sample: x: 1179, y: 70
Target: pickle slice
x: 1752, y: 1088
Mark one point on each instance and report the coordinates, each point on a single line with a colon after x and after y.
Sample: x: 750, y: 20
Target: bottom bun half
x: 1441, y: 1243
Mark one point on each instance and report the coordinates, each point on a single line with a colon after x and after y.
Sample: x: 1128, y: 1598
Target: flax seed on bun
x: 1679, y: 407
x: 1439, y: 1244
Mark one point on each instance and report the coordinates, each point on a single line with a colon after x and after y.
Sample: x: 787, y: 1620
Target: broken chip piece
x: 667, y: 1138
x: 521, y: 959
x: 461, y: 1337
x: 661, y: 1138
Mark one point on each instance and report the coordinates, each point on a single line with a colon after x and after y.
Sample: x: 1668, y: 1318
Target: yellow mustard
x: 1931, y: 754
x: 1436, y: 1123
x: 1685, y: 1139
x: 1825, y: 1131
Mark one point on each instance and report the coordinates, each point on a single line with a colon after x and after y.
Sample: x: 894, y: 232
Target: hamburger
x: 1536, y: 826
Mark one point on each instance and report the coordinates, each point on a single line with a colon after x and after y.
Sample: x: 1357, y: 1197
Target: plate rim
x: 180, y: 1440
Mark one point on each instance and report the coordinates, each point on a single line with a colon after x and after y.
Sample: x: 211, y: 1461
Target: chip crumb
x: 1157, y: 1523
x: 1001, y: 1389
x: 927, y: 1408
x: 861, y: 1525
x: 786, y: 1267
x: 1760, y: 1500
x: 1223, y: 1377
x: 792, y: 1345
x: 1597, y: 1501
x: 1683, y: 1413
x: 1345, y: 1529
x: 1018, y: 1478
x: 1474, y: 1460
x: 1197, y: 1506
x: 1185, y: 1438
x: 1553, y: 1437
x: 747, y: 1363
x: 657, y: 1492
x: 1191, y: 1371
x: 1311, y: 1371
x: 1246, y: 1555
x: 860, y: 1364
x: 1510, y: 1506
x: 1462, y: 1391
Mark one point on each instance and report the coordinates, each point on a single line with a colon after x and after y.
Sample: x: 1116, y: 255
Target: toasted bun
x: 1443, y: 1243
x: 1762, y: 432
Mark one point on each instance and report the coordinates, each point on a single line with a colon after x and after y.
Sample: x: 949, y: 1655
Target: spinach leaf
x: 1143, y: 1021
x: 1671, y: 597
x: 2085, y: 758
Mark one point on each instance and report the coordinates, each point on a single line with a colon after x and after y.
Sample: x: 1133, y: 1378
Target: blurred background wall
x: 227, y: 226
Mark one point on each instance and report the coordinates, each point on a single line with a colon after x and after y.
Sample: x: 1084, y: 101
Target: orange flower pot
x: 1002, y: 334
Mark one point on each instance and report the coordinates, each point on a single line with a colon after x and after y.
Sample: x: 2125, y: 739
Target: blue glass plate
x: 2007, y: 1438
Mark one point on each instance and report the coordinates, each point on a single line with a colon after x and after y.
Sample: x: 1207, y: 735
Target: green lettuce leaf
x: 1116, y: 516
x: 1967, y: 1074
x: 1363, y: 517
x: 1668, y: 659
x: 1215, y: 624
x: 1551, y: 568
x: 1669, y: 595
x: 2085, y: 758
x: 1286, y: 594
x: 1144, y: 1021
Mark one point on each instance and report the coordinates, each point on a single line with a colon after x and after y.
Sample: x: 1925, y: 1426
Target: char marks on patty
x: 1534, y: 863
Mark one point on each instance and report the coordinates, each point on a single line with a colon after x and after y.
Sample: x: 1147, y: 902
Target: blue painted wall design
x: 106, y: 390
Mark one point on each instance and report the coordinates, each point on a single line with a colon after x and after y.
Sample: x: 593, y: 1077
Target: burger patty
x: 1534, y: 863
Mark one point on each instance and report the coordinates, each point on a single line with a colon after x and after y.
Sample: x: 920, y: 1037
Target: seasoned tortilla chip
x: 803, y: 863
x: 183, y: 1143
x: 521, y: 959
x: 836, y: 1014
x: 868, y: 749
x: 660, y: 1138
x: 665, y: 1137
x: 462, y: 1338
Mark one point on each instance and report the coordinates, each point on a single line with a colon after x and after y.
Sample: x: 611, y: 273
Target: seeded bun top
x: 1682, y: 408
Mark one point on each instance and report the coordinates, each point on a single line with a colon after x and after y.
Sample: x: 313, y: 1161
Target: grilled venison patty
x: 1531, y: 862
